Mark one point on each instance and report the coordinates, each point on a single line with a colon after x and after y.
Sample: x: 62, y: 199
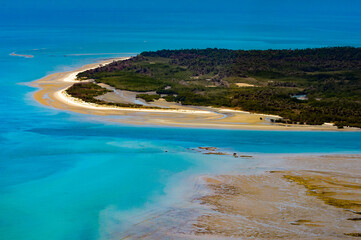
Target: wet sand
x: 315, y: 197
x: 261, y: 203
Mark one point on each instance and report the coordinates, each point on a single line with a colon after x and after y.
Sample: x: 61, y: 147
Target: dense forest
x: 263, y: 81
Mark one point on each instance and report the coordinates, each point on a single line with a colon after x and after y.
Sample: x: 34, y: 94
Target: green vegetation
x: 149, y: 97
x: 88, y: 91
x: 128, y: 81
x: 329, y: 77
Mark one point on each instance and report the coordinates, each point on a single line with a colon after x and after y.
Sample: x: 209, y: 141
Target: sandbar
x: 21, y: 55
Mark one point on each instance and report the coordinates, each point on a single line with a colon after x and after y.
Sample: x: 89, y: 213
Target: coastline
x: 262, y: 199
x: 52, y: 93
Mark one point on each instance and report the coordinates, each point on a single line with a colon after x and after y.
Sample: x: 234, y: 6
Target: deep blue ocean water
x: 60, y: 172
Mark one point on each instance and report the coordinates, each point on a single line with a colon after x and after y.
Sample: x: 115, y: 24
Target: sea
x: 64, y: 175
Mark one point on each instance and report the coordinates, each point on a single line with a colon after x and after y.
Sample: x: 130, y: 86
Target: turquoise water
x: 65, y: 176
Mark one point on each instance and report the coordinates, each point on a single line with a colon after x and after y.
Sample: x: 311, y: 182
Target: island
x: 297, y: 88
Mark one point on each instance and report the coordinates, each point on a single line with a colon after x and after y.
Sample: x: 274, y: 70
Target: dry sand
x: 244, y: 85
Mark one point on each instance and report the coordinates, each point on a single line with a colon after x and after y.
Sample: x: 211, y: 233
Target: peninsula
x: 262, y: 89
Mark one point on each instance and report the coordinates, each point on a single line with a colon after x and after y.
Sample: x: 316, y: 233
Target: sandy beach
x: 52, y: 93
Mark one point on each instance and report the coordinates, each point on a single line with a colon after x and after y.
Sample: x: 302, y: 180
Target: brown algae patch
x: 330, y: 191
x: 305, y: 222
x: 216, y: 151
x: 353, y: 234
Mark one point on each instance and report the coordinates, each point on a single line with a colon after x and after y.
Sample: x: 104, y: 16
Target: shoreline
x: 288, y: 196
x: 61, y: 94
x: 51, y: 93
x: 69, y: 78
